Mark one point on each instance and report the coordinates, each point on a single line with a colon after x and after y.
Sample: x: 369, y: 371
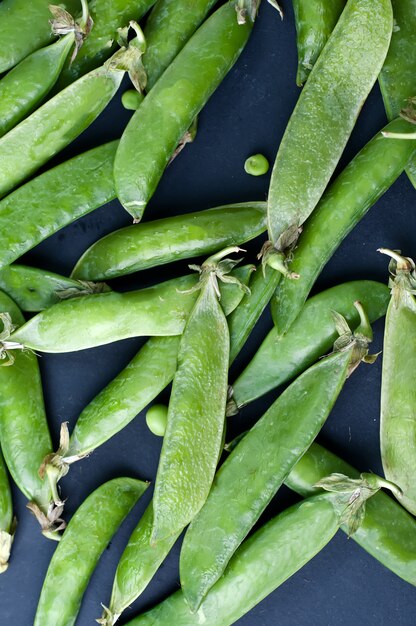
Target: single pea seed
x: 256, y: 165
x: 157, y: 418
x: 131, y: 99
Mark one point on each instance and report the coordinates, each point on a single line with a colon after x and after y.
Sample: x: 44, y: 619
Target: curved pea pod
x: 168, y: 28
x: 315, y: 22
x: 398, y: 394
x: 55, y: 199
x: 272, y: 554
x: 387, y: 531
x: 87, y: 536
x: 107, y: 17
x: 34, y: 289
x: 259, y: 464
x: 167, y: 112
x: 145, y: 245
x: 324, y: 116
x: 7, y: 523
x: 24, y: 433
x: 281, y: 358
x: 357, y: 188
x: 25, y: 28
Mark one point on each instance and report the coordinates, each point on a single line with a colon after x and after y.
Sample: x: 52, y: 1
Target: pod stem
x: 82, y: 288
x: 277, y: 260
x: 356, y: 342
x: 50, y: 521
x: 108, y: 618
x: 63, y: 23
x: 390, y: 135
x: 216, y: 268
x: 402, y: 275
x: 56, y: 465
x: 129, y: 57
x: 6, y: 541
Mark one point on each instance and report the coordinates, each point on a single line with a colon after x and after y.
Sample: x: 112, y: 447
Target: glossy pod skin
x: 167, y: 112
x: 55, y: 199
x: 282, y: 435
x: 23, y: 88
x: 87, y: 536
x: 387, y: 531
x: 54, y: 125
x: 357, y: 188
x: 99, y: 319
x: 315, y: 22
x: 6, y: 517
x: 323, y: 119
x: 398, y: 395
x: 99, y: 46
x: 168, y: 28
x: 280, y: 358
x: 196, y: 413
x: 148, y: 244
x: 25, y: 28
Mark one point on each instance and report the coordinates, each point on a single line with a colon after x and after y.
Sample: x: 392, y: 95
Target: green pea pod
x: 168, y: 28
x: 7, y: 523
x: 271, y: 555
x: 398, y: 396
x: 357, y: 188
x: 34, y: 289
x: 192, y: 442
x: 387, y: 531
x: 167, y: 112
x: 100, y: 44
x: 25, y: 28
x: 323, y: 118
x: 315, y: 22
x: 281, y: 358
x: 145, y: 245
x: 87, y: 536
x: 56, y: 198
x: 262, y: 460
x: 24, y: 433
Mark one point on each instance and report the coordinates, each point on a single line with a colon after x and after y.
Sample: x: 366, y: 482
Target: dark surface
x: 248, y: 114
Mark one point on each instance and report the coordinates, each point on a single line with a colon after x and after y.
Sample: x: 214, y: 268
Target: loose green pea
x: 131, y: 99
x: 256, y: 165
x: 157, y: 418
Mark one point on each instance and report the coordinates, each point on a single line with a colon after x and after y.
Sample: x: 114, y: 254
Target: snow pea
x: 34, y: 289
x: 100, y: 44
x: 387, y: 531
x: 272, y: 554
x: 344, y: 204
x: 24, y: 433
x: 87, y: 536
x: 169, y: 26
x: 196, y: 412
x: 281, y: 358
x: 163, y: 241
x: 149, y: 372
x: 325, y: 115
x: 25, y: 28
x: 55, y: 199
x: 260, y: 462
x: 167, y: 112
x: 7, y: 523
x: 315, y: 22
x: 398, y: 396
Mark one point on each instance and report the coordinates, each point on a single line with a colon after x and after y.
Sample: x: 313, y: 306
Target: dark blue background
x: 248, y: 114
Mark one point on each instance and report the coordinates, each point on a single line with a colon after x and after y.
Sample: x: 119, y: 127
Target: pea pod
x: 315, y: 22
x: 167, y: 112
x: 34, y: 289
x: 87, y: 536
x: 56, y: 198
x: 145, y: 245
x: 387, y: 531
x: 347, y: 200
x: 7, y: 523
x: 323, y: 118
x: 398, y: 397
x: 30, y: 144
x: 281, y: 358
x: 261, y: 461
x: 25, y: 28
x: 24, y: 433
x: 272, y: 554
